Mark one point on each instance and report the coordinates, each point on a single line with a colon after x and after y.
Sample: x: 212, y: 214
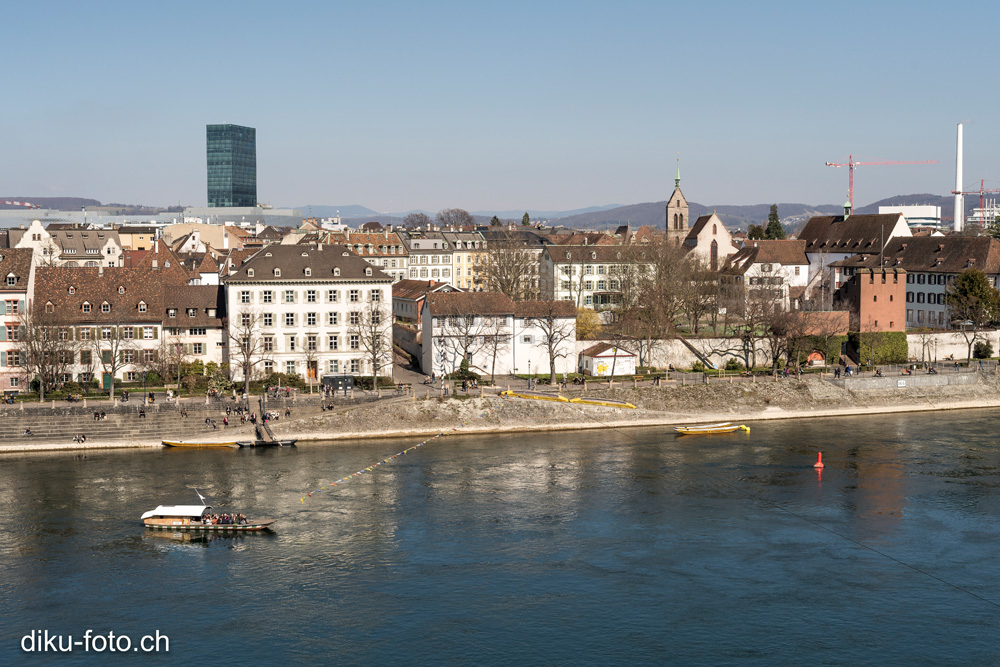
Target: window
x: 354, y: 317
x: 105, y: 307
x: 334, y: 366
x: 289, y: 296
x: 245, y: 297
x: 63, y: 334
x: 355, y: 366
x: 909, y: 298
x: 197, y: 331
x: 171, y: 312
x: 128, y: 356
x: 130, y: 376
x: 310, y: 319
x: 147, y: 333
x: 14, y: 357
x: 128, y: 333
x: 291, y: 344
x: 290, y: 367
x: 197, y: 348
x: 308, y: 271
x: 311, y: 343
x: 266, y: 296
x: 268, y: 367
x: 333, y: 343
x: 245, y: 319
x: 376, y: 295
x: 920, y: 297
x: 277, y: 272
x: 268, y: 343
x: 105, y: 333
x: 332, y: 296
x: 289, y: 319
x: 333, y: 319
x: 84, y: 333
x: 192, y: 312
x: 354, y: 342
x: 311, y: 296
x: 86, y: 307
x: 249, y: 273
x: 15, y: 382
x: 142, y: 306
x: 921, y: 278
x: 526, y: 339
x: 354, y: 295
x: 149, y: 356
x: 268, y: 320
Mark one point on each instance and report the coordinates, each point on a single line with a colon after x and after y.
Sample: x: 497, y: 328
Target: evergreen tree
x: 526, y: 220
x: 494, y: 221
x: 774, y: 229
x: 755, y: 232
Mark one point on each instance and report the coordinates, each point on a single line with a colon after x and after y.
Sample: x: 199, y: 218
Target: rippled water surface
x: 612, y: 547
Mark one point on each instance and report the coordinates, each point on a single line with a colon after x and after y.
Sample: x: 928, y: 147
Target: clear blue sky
x: 512, y: 105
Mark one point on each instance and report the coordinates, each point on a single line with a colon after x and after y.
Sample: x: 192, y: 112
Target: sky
x: 497, y: 105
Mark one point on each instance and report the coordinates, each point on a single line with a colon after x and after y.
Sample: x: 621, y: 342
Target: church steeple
x: 677, y: 221
x: 677, y: 177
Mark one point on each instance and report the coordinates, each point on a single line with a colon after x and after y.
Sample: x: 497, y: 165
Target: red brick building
x: 876, y: 299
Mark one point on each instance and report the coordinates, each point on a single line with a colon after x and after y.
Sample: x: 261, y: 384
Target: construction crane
x: 851, y: 164
x: 20, y: 203
x: 982, y: 191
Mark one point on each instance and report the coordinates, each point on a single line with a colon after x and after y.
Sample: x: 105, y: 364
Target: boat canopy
x: 178, y: 510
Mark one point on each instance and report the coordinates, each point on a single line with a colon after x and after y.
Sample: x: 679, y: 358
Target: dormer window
x: 308, y: 271
x: 121, y: 289
x: 50, y: 307
x: 142, y: 306
x: 368, y: 271
x: 277, y: 272
x: 249, y: 273
x: 86, y: 306
x: 192, y: 312
x: 11, y: 280
x: 336, y: 270
x: 593, y: 255
x: 105, y: 307
x: 267, y: 254
x: 171, y: 312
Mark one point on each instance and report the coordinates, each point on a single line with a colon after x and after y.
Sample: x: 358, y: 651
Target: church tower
x: 678, y: 220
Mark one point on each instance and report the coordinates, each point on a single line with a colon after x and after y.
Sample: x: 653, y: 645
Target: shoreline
x: 603, y: 418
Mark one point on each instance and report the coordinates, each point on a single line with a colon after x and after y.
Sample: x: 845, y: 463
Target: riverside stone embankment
x: 741, y: 401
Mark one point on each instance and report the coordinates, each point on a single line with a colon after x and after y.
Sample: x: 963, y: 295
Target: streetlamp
x: 529, y: 373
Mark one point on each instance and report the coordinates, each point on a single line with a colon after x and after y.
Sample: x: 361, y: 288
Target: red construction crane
x: 20, y: 203
x: 851, y: 164
x: 981, y: 192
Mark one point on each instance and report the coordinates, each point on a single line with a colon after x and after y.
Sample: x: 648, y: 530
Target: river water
x: 612, y: 547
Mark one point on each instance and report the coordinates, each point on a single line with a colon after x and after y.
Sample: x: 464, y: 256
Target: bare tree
x: 557, y: 322
x: 374, y: 337
x: 496, y: 339
x: 512, y: 267
x: 43, y: 346
x: 455, y: 217
x: 114, y: 347
x: 462, y: 337
x: 246, y: 345
x: 416, y: 220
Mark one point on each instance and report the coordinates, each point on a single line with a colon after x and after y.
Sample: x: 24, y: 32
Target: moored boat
x: 289, y: 442
x: 197, y: 518
x: 724, y: 427
x: 198, y: 444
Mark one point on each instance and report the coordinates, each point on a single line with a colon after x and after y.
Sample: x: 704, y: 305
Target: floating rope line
x: 353, y: 475
x: 770, y: 503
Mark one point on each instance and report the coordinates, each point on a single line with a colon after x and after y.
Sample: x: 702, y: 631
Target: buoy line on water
x: 774, y: 505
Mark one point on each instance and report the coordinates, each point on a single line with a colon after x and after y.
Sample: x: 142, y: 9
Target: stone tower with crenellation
x: 678, y: 220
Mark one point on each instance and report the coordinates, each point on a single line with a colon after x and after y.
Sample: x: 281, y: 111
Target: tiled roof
x: 200, y: 298
x: 414, y: 289
x: 544, y: 309
x: 293, y: 262
x: 122, y: 288
x: 786, y: 252
x: 858, y: 233
x: 469, y: 303
x: 16, y: 261
x: 562, y: 254
x: 940, y: 254
x: 601, y: 348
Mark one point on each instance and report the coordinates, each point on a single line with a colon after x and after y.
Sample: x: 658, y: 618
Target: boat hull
x: 197, y: 445
x: 711, y: 429
x: 267, y: 443
x: 181, y: 527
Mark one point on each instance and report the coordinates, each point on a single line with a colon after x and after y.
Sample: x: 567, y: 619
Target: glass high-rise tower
x: 232, y: 165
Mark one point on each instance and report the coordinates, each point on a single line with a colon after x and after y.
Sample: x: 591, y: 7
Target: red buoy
x: 819, y: 461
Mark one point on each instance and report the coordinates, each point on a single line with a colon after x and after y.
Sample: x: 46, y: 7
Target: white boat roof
x: 177, y: 510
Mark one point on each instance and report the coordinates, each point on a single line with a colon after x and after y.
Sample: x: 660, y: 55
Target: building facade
x: 232, y: 165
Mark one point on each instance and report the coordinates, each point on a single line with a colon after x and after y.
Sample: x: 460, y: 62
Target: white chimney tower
x: 959, y: 199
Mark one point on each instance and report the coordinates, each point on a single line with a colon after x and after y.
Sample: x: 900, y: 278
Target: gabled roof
x: 601, y: 348
x: 939, y: 254
x: 201, y: 298
x: 561, y: 254
x: 95, y: 286
x: 786, y: 252
x: 858, y: 233
x: 16, y: 261
x: 469, y: 303
x: 416, y: 289
x: 544, y: 309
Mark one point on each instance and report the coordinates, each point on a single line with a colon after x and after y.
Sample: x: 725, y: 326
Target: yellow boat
x: 535, y: 396
x: 724, y: 427
x: 605, y: 402
x: 197, y: 445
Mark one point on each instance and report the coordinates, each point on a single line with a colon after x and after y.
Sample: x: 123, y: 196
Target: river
x: 612, y: 547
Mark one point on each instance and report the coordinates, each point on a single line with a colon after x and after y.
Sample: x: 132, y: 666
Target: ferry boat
x: 196, y: 518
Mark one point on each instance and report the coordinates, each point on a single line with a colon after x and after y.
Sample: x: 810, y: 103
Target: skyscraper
x: 232, y: 165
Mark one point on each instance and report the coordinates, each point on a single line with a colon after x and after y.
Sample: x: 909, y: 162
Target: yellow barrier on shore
x: 605, y: 403
x: 537, y: 397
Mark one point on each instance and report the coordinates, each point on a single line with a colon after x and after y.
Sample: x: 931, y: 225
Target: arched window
x: 715, y: 255
x: 682, y: 221
x: 714, y: 230
x: 675, y: 221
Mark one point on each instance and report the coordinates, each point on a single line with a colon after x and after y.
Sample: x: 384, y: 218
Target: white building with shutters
x: 302, y: 306
x: 17, y: 272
